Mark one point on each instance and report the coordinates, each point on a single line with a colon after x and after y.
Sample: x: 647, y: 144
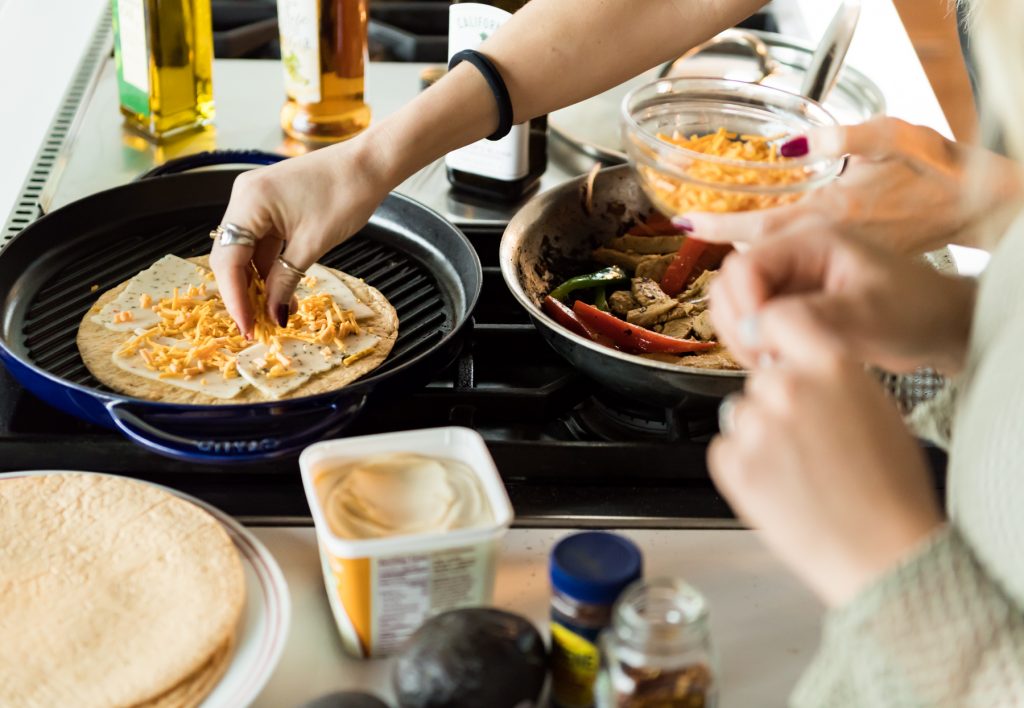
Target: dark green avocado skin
x: 471, y: 658
x: 346, y: 699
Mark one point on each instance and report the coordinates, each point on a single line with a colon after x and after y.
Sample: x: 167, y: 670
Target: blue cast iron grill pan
x: 418, y: 260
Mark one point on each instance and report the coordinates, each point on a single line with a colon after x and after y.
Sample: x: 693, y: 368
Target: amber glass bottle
x: 323, y: 51
x: 505, y: 169
x: 164, y: 55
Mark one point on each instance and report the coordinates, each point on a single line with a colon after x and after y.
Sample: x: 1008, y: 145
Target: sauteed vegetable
x: 650, y: 300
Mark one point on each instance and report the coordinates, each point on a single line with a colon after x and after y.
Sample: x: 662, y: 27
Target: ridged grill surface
x: 51, y: 325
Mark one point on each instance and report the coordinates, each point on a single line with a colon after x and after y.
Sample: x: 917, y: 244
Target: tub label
x: 408, y: 590
x: 378, y: 602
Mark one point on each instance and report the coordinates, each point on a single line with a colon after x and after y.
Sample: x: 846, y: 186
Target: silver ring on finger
x: 291, y: 268
x: 228, y: 234
x: 727, y: 413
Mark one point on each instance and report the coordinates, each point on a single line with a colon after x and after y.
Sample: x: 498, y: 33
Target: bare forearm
x: 551, y: 53
x: 556, y: 52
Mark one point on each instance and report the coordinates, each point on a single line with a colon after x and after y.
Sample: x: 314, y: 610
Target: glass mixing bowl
x: 678, y: 179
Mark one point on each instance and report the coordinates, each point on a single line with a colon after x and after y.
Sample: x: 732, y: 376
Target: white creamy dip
x: 401, y: 494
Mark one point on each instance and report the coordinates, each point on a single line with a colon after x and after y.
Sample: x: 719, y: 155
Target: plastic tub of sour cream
x: 408, y: 526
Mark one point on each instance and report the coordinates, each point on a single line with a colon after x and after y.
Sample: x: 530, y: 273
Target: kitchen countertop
x: 764, y: 622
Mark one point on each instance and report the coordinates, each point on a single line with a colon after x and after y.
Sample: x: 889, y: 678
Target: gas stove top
x: 569, y: 451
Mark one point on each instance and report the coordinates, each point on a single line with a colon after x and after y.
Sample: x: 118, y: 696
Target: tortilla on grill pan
x: 115, y: 593
x: 97, y: 345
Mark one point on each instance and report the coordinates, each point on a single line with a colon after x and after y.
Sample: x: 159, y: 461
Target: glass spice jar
x: 588, y: 573
x: 658, y: 652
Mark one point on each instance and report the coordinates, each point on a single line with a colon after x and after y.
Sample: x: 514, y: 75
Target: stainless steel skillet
x: 551, y: 239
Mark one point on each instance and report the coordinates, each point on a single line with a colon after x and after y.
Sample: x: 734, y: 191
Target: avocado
x: 471, y: 658
x: 346, y: 699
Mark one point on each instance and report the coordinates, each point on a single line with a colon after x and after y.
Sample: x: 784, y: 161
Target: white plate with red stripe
x: 265, y: 620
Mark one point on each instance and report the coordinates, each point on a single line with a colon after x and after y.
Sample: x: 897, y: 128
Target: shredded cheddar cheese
x: 681, y: 196
x: 212, y: 341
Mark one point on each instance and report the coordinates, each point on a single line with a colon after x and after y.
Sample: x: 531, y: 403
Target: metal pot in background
x: 588, y: 132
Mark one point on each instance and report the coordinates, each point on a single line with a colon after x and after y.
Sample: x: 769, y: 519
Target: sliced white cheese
x: 327, y: 282
x: 158, y: 281
x: 359, y: 343
x: 307, y: 360
x: 211, y: 383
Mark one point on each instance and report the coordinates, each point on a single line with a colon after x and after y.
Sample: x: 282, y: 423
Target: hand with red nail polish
x: 905, y: 188
x: 795, y: 147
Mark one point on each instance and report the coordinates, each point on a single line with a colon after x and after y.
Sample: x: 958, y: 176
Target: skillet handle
x: 284, y: 441
x: 211, y: 158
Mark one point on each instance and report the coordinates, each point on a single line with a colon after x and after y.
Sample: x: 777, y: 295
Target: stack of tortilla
x: 115, y: 593
x: 99, y: 339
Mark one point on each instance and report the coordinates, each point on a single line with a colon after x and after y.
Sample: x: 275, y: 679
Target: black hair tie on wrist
x: 493, y: 77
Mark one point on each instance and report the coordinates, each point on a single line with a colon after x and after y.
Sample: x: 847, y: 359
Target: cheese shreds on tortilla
x: 322, y: 280
x: 257, y: 363
x: 159, y: 281
x: 212, y: 382
x: 193, y: 352
x: 115, y: 593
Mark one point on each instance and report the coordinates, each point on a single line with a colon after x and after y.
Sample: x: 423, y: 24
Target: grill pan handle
x: 286, y: 438
x: 211, y: 158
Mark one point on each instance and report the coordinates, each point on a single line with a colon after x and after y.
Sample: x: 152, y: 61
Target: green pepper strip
x: 607, y: 276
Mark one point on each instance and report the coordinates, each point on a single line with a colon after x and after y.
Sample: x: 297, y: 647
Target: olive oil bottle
x: 324, y: 54
x: 505, y: 169
x: 164, y: 55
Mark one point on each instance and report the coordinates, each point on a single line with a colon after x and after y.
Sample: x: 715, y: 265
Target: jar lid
x: 594, y: 566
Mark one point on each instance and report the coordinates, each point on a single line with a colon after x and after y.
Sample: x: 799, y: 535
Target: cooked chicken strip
x: 611, y: 257
x: 650, y: 315
x: 648, y: 292
x: 647, y: 245
x: 621, y: 302
x: 702, y: 326
x: 653, y: 267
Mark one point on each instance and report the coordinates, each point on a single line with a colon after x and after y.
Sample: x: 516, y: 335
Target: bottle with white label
x: 324, y: 54
x: 505, y: 169
x: 163, y: 50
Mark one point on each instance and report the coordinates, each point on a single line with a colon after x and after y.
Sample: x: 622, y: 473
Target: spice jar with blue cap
x: 588, y: 573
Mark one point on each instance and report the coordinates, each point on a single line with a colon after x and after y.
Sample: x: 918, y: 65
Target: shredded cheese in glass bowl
x: 713, y: 145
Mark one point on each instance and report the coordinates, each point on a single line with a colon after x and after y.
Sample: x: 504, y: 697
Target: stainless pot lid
x: 591, y: 128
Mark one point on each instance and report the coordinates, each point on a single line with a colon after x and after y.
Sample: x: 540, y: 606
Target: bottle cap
x: 594, y: 566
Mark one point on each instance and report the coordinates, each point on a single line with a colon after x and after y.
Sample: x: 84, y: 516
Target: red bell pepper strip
x: 563, y: 315
x: 679, y: 271
x: 693, y: 258
x: 631, y: 338
x: 657, y: 225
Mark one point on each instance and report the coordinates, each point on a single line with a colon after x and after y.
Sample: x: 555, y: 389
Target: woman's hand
x: 299, y: 209
x: 888, y: 310
x: 905, y: 187
x: 817, y: 459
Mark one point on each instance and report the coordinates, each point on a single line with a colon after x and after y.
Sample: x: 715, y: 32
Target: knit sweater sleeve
x: 936, y: 631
